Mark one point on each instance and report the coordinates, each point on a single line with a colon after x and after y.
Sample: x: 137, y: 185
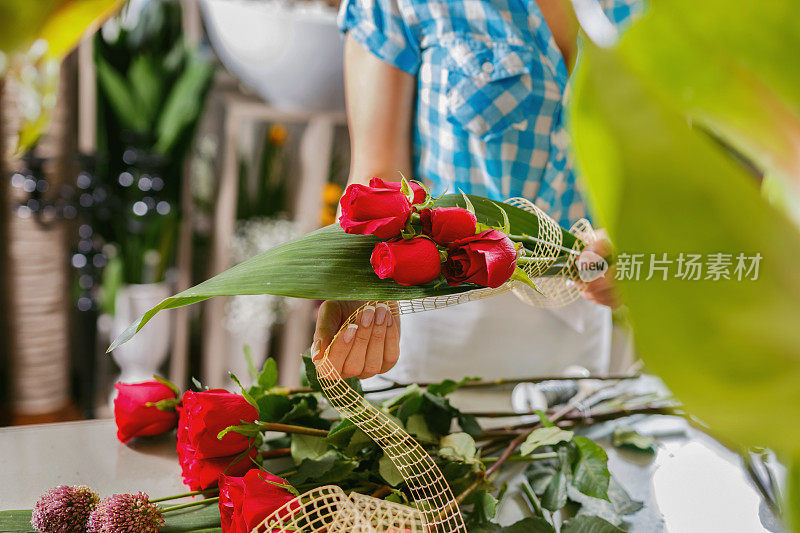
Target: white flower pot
x: 143, y: 355
x: 289, y: 53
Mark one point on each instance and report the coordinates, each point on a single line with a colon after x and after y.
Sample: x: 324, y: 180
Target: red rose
x: 409, y: 262
x: 204, y: 414
x: 244, y: 502
x: 447, y: 224
x: 487, y: 259
x: 379, y: 209
x: 201, y: 474
x: 132, y: 415
x: 419, y: 192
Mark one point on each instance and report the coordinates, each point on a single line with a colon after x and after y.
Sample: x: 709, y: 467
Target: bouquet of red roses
x: 424, y: 243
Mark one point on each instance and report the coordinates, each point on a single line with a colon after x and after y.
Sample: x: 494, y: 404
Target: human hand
x: 369, y: 345
x: 602, y: 290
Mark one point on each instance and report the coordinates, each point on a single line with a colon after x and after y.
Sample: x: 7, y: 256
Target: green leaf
x: 273, y: 407
x: 348, y: 438
x: 484, y: 508
x: 389, y: 472
x: 329, y: 468
x: 184, y: 104
x: 742, y: 87
x: 268, y: 378
x: 526, y: 525
x: 469, y: 424
x: 122, y: 100
x: 417, y: 427
x: 307, y: 447
x: 17, y: 521
x: 448, y: 386
x: 252, y: 401
x: 545, y: 436
x: 625, y: 436
x: 590, y: 474
x: 329, y: 264
x: 792, y: 495
x: 145, y: 82
x: 458, y: 447
x: 589, y: 524
x: 727, y: 348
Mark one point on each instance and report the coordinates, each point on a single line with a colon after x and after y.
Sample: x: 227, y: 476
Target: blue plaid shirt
x: 492, y: 86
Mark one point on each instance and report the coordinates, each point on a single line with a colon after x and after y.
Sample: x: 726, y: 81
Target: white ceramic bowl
x: 289, y: 53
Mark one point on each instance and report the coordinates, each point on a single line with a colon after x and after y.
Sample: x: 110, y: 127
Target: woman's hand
x: 368, y: 346
x: 602, y: 290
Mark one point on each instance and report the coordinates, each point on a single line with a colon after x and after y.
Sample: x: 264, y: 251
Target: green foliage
x: 589, y: 524
x: 544, y: 436
x: 151, y: 94
x: 625, y: 436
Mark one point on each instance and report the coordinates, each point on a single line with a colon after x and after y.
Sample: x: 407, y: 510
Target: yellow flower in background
x: 278, y: 134
x: 327, y: 216
x: 331, y: 194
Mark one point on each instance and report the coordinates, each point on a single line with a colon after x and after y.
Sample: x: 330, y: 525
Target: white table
x: 691, y: 485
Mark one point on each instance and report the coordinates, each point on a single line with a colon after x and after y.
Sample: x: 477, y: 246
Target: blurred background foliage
x: 152, y: 91
x: 658, y: 116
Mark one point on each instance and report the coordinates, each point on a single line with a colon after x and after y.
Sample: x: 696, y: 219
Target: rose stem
x: 184, y: 495
x: 523, y: 458
x: 488, y: 383
x: 286, y: 428
x: 207, y: 501
x: 278, y: 452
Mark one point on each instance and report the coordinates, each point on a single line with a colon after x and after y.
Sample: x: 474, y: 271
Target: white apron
x: 502, y: 337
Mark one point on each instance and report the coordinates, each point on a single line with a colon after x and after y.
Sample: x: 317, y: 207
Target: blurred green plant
x: 647, y: 118
x: 34, y: 38
x: 151, y: 97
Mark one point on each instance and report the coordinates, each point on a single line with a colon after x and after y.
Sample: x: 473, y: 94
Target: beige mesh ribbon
x: 328, y: 509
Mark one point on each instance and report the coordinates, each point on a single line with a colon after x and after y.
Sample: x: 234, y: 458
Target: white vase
x: 143, y: 355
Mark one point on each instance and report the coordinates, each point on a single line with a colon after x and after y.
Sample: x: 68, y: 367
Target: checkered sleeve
x: 379, y: 27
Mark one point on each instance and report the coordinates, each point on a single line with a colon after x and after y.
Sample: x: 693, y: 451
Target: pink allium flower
x: 64, y: 509
x: 122, y: 513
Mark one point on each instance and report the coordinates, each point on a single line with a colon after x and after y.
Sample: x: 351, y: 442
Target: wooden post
x: 5, y: 282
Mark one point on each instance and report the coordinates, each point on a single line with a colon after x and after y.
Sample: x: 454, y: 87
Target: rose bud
x: 487, y: 259
x: 204, y: 414
x: 244, y: 502
x: 134, y: 417
x: 380, y: 209
x: 201, y: 474
x: 447, y: 224
x: 409, y: 262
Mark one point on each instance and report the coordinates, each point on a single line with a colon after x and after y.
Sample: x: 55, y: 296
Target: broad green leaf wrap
x: 330, y: 264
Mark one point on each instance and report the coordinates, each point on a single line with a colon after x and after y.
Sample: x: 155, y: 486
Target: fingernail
x: 380, y: 313
x: 390, y: 320
x: 315, y: 349
x: 367, y: 313
x: 349, y: 333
